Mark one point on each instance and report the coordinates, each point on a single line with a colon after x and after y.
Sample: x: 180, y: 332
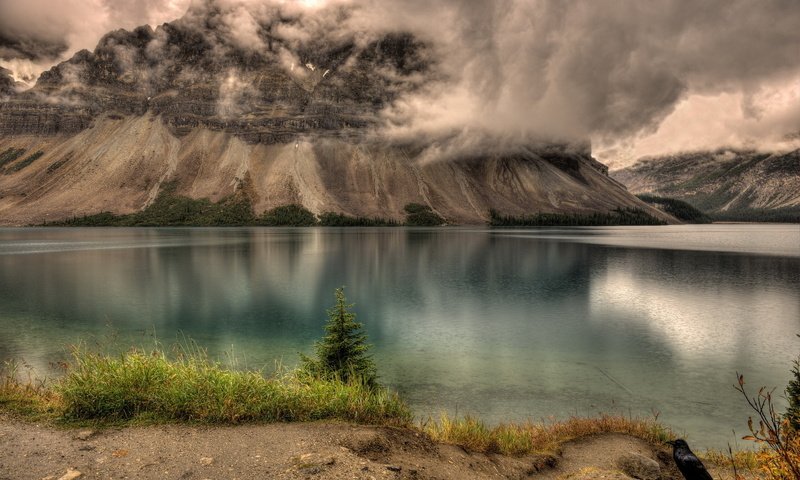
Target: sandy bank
x: 293, y: 451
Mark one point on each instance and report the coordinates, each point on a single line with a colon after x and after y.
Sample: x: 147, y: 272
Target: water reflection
x: 504, y: 324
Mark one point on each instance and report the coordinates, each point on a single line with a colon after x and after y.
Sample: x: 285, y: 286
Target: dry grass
x: 743, y: 462
x: 775, y: 465
x: 517, y: 439
x: 761, y: 464
x: 24, y: 395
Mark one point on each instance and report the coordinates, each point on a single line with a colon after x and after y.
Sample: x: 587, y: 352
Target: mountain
x: 728, y: 184
x: 282, y: 121
x: 7, y: 83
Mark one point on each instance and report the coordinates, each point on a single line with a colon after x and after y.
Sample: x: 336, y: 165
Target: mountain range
x: 290, y: 122
x: 726, y: 184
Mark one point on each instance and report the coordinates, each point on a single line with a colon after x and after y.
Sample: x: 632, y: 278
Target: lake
x: 505, y: 324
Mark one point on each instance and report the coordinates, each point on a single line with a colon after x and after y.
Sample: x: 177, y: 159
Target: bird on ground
x: 690, y: 466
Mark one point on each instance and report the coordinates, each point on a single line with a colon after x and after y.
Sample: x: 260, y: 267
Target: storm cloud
x: 620, y: 72
x: 36, y: 34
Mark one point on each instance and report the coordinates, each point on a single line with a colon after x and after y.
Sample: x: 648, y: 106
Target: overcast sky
x: 637, y: 77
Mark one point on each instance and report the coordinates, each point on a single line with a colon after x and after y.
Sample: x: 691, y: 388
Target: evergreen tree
x: 342, y: 352
x: 793, y: 395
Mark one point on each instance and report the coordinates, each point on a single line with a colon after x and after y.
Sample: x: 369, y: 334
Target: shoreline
x: 303, y: 450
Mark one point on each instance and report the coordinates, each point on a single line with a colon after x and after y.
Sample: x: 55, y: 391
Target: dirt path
x: 288, y: 451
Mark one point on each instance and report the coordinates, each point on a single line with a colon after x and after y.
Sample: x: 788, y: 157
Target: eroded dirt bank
x: 293, y: 451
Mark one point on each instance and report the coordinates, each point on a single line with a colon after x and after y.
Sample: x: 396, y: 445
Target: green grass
x: 619, y: 216
x: 148, y: 387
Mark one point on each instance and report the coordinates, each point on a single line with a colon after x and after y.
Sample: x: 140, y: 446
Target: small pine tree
x: 342, y: 352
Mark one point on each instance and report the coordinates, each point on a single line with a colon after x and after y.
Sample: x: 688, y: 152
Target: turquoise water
x: 506, y: 324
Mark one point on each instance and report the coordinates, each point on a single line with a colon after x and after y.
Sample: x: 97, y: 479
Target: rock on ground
x: 639, y: 466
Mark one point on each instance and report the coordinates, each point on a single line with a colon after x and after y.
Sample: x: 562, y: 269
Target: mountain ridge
x: 726, y: 183
x: 186, y: 103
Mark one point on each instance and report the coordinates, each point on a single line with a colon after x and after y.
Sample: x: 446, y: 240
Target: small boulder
x: 84, y: 435
x: 639, y: 466
x: 71, y: 474
x: 313, y: 463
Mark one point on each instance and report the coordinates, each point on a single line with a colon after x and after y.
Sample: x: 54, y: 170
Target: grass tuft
x: 525, y: 438
x: 24, y: 395
x: 148, y: 387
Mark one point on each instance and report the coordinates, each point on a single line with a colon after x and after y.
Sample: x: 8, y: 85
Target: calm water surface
x: 505, y: 324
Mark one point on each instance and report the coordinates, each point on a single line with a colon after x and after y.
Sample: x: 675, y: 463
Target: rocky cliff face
x: 721, y: 181
x: 191, y: 76
x: 299, y: 120
x: 6, y: 83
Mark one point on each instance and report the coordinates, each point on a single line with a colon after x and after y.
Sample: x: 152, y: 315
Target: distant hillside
x: 727, y: 185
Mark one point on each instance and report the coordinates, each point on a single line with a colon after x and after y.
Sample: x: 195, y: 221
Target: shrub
x: 793, y: 395
x: 288, y: 216
x: 57, y: 164
x: 776, y: 215
x: 24, y: 163
x: 10, y: 155
x: 418, y: 215
x: 413, y: 208
x: 779, y: 457
x: 342, y: 352
x: 331, y: 219
x: 170, y: 209
x: 618, y: 216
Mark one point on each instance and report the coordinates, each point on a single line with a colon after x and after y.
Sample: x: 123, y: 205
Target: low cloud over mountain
x: 618, y: 72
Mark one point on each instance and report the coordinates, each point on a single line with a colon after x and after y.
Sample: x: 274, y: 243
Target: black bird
x: 690, y: 466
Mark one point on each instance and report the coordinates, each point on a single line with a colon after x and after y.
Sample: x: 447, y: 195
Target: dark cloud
x: 608, y: 68
x: 611, y: 70
x: 35, y: 34
x: 29, y: 48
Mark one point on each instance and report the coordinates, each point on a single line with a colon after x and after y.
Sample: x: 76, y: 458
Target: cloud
x: 621, y: 72
x: 36, y: 34
x: 766, y: 120
x: 606, y: 69
x: 234, y: 94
